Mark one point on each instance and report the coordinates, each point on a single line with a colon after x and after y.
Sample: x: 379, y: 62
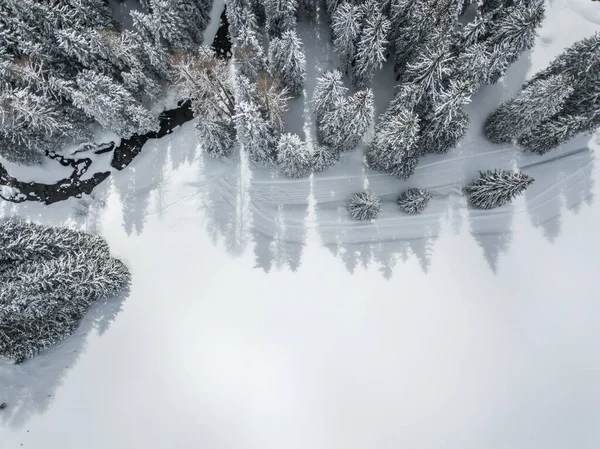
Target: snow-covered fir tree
x: 530, y: 107
x: 49, y: 278
x: 414, y: 201
x: 175, y: 24
x: 360, y: 112
x: 293, y: 156
x: 332, y: 127
x: 324, y: 157
x: 364, y: 205
x: 281, y: 16
x: 371, y: 47
x: 217, y: 137
x: 580, y: 112
x: 496, y: 188
x: 346, y: 27
x: 329, y: 91
x: 395, y: 147
x: 112, y: 106
x: 287, y: 61
x: 446, y: 122
x: 254, y: 133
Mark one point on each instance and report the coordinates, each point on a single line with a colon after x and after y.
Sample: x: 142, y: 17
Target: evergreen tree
x: 557, y: 129
x: 446, y: 123
x: 49, y: 278
x: 324, y: 157
x: 281, y: 16
x: 529, y: 108
x: 496, y: 188
x: 395, y: 147
x: 255, y: 134
x: 331, y: 129
x: 176, y: 24
x: 329, y: 91
x: 364, y: 206
x: 414, y: 201
x: 360, y: 113
x: 293, y: 157
x: 370, y: 50
x: 346, y: 27
x: 217, y: 137
x: 287, y: 61
x: 112, y: 106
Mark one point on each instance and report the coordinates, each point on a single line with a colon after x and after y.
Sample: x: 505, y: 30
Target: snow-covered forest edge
x: 253, y: 208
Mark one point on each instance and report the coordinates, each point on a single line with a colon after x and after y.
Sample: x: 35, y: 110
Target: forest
x: 73, y: 70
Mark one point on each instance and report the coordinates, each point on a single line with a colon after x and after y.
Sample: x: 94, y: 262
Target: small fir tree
x: 495, y: 188
x: 329, y: 91
x: 414, y: 201
x: 217, y: 137
x: 364, y: 205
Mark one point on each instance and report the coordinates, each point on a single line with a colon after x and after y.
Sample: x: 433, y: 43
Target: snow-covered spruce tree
x: 346, y: 27
x: 364, y: 205
x: 580, y: 112
x: 242, y: 21
x: 324, y: 157
x: 255, y: 134
x: 529, y: 108
x: 293, y: 157
x: 174, y: 24
x: 395, y: 148
x: 512, y: 33
x: 332, y: 127
x: 112, y: 106
x: 287, y: 61
x: 217, y: 137
x: 414, y: 201
x: 49, y: 278
x: 281, y: 16
x: 446, y: 122
x: 360, y: 112
x: 329, y: 90
x: 371, y: 47
x: 496, y: 188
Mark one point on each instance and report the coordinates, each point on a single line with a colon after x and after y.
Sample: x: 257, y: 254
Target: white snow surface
x: 262, y: 316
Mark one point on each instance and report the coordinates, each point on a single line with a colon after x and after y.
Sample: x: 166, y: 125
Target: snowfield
x: 262, y: 316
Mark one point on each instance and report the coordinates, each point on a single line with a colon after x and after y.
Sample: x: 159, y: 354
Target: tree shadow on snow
x: 29, y: 388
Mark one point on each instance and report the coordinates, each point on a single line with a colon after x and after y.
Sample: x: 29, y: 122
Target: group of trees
x: 440, y: 63
x: 560, y: 101
x: 493, y: 188
x: 49, y: 278
x: 67, y: 66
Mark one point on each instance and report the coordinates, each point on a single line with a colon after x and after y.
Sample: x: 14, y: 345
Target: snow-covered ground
x: 261, y: 316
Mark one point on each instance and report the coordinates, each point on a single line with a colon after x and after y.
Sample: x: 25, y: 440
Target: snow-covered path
x: 261, y: 317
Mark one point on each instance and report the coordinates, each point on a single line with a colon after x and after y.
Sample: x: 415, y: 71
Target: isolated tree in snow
x: 529, y: 108
x: 324, y: 157
x: 395, y: 147
x: 329, y: 91
x: 496, y: 188
x: 414, y: 201
x: 364, y: 205
x: 281, y: 16
x: 360, y: 113
x: 293, y: 157
x: 346, y: 27
x: 287, y: 61
x: 49, y: 278
x: 371, y: 47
